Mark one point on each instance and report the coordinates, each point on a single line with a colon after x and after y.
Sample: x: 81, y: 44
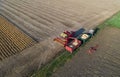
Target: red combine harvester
x: 67, y: 34
x: 70, y: 43
x: 74, y: 44
x: 68, y: 40
x: 93, y: 49
x: 64, y: 37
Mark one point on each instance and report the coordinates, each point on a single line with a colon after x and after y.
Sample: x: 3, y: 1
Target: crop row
x: 12, y: 40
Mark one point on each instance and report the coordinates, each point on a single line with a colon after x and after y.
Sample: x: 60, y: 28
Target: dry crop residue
x: 104, y: 62
x: 44, y: 18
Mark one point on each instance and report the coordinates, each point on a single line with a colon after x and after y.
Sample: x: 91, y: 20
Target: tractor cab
x: 87, y: 35
x: 67, y: 34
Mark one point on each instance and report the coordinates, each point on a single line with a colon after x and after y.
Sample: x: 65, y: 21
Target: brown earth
x: 105, y: 62
x: 43, y: 20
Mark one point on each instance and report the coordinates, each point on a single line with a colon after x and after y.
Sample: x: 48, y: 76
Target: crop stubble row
x: 42, y: 19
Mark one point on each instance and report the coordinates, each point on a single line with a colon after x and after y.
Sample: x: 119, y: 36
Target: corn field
x: 12, y: 40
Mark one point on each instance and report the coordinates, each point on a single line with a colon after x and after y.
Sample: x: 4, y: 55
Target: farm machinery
x: 74, y: 39
x: 64, y: 38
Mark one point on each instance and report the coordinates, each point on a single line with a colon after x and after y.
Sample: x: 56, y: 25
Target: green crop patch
x: 114, y: 21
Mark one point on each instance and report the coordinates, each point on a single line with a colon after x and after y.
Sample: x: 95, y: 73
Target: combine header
x: 61, y: 41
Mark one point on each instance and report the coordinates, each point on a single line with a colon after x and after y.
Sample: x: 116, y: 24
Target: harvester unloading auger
x: 73, y: 39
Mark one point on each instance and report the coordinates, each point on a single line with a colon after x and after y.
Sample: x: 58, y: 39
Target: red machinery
x: 72, y: 40
x: 61, y: 41
x: 64, y: 37
x: 67, y: 34
x: 68, y: 41
x: 93, y: 49
x: 74, y: 44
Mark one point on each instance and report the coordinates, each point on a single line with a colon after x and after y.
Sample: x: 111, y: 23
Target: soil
x: 43, y: 20
x: 104, y: 62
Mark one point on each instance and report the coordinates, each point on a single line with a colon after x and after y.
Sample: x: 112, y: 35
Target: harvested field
x: 12, y: 40
x: 105, y: 62
x: 43, y: 20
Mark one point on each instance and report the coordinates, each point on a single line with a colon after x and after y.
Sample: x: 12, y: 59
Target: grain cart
x: 87, y: 35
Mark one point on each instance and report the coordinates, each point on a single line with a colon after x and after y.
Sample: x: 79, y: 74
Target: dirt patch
x: 103, y: 62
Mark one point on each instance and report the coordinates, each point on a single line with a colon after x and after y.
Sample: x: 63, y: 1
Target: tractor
x: 84, y: 37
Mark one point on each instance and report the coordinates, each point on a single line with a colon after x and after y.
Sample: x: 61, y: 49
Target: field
x: 104, y: 62
x: 12, y: 40
x: 109, y: 44
x: 43, y: 20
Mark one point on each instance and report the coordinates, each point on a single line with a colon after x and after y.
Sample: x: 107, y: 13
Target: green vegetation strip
x: 114, y: 21
x: 47, y: 70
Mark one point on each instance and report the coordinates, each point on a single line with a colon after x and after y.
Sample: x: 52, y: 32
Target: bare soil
x: 105, y: 62
x: 43, y: 20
